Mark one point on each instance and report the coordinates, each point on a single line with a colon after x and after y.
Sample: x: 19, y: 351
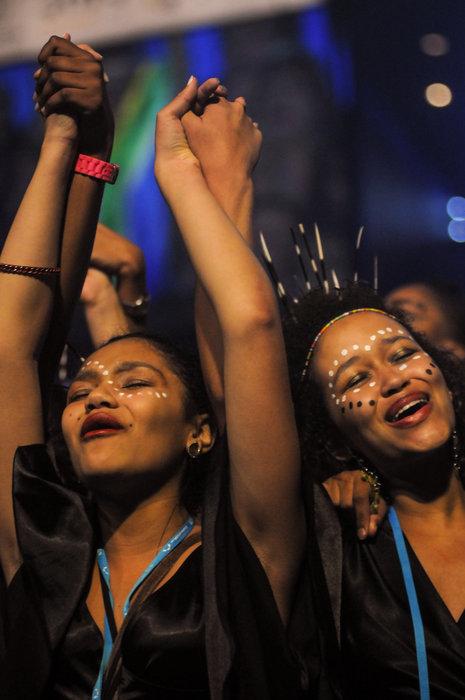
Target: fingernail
x: 191, y: 79
x: 362, y: 533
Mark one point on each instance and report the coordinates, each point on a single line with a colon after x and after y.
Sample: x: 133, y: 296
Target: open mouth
x: 99, y: 425
x: 409, y: 409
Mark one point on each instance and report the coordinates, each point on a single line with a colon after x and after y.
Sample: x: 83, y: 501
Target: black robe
x: 244, y: 652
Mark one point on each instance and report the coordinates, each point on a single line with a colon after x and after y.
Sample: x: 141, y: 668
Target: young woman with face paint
x: 119, y: 572
x: 369, y: 392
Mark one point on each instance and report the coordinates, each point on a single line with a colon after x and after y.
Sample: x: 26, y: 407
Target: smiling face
x: 126, y: 414
x: 382, y: 390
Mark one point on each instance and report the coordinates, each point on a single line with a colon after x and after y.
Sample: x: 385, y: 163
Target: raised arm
x: 264, y: 454
x: 27, y: 300
x: 111, y: 310
x: 226, y: 150
x: 71, y: 74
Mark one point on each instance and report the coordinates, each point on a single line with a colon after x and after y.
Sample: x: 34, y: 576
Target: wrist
x: 60, y: 151
x: 174, y: 176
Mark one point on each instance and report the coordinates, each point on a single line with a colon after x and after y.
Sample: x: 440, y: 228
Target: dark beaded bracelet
x: 29, y: 270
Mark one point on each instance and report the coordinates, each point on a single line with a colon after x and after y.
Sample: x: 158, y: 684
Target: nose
x: 392, y: 382
x: 100, y: 397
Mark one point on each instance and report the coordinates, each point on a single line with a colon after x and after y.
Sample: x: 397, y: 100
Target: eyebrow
x: 385, y: 341
x: 126, y: 366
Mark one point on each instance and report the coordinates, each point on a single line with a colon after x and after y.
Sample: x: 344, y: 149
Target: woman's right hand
x: 348, y: 490
x: 70, y: 86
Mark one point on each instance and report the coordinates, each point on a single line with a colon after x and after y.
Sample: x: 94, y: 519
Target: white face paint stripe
x: 416, y: 357
x: 356, y: 390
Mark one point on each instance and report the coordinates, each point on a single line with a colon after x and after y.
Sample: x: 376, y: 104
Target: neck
x: 141, y: 529
x: 441, y: 511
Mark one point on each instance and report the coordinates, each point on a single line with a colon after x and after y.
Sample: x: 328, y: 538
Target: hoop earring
x: 194, y: 450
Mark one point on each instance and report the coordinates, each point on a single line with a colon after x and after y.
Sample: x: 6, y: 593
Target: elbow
x: 254, y: 315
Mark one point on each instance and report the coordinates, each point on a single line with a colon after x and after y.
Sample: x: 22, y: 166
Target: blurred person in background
x: 436, y: 310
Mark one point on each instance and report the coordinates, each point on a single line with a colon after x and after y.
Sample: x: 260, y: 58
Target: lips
x: 99, y: 424
x: 409, y: 410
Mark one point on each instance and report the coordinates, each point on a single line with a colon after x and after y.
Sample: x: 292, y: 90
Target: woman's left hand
x: 172, y: 149
x: 349, y: 491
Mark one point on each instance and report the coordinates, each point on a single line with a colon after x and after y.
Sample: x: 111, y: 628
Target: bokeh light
x: 434, y: 44
x: 438, y: 95
x: 456, y: 208
x: 456, y: 231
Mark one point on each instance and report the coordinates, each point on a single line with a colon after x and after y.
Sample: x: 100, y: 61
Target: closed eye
x: 135, y: 383
x: 403, y: 353
x: 356, y: 379
x: 77, y: 395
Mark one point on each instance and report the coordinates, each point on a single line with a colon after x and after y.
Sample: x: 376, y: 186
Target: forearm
x: 34, y: 239
x: 80, y: 223
x: 106, y: 318
x: 235, y: 195
x: 220, y: 255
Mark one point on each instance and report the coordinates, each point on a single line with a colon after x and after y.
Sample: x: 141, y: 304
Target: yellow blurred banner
x: 26, y: 24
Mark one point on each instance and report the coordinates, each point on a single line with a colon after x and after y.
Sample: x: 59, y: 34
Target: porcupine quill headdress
x: 311, y: 266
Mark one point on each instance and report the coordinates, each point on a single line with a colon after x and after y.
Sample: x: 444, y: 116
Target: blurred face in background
x: 427, y: 314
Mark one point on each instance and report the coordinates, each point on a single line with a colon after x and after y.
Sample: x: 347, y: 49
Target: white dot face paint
x: 333, y: 396
x: 372, y: 384
x: 368, y: 348
x: 356, y: 391
x: 331, y: 373
x: 344, y: 398
x: 389, y: 330
x: 402, y: 367
x: 372, y: 337
x: 400, y: 332
x: 110, y: 381
x: 337, y: 402
x: 355, y: 347
x: 105, y: 373
x: 164, y: 394
x: 344, y: 352
x: 416, y: 357
x: 157, y: 395
x: 381, y: 331
x: 335, y: 363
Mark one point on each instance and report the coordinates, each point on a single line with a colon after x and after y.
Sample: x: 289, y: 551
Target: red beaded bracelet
x: 98, y: 169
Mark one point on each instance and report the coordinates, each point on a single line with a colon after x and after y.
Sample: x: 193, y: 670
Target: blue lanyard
x: 102, y: 562
x: 418, y: 629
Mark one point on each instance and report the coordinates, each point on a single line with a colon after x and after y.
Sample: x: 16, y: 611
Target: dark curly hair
x: 187, y: 368
x: 316, y: 429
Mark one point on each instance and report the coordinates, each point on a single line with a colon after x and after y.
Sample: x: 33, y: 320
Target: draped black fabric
x: 212, y: 631
x: 377, y: 633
